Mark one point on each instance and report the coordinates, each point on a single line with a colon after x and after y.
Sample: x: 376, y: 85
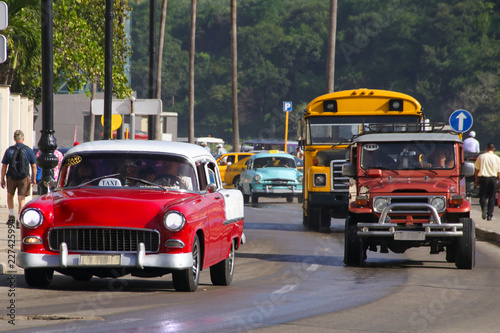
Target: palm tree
x: 192, y: 50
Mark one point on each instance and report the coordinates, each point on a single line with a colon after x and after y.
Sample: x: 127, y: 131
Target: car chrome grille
x: 104, y: 239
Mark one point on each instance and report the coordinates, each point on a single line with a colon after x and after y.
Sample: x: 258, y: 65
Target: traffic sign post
x: 287, y: 107
x: 461, y: 121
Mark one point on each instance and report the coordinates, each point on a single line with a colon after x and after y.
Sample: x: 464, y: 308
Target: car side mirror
x: 348, y: 169
x: 211, y: 188
x: 467, y: 169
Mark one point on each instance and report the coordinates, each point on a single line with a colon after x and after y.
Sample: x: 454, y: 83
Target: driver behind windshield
x: 374, y: 158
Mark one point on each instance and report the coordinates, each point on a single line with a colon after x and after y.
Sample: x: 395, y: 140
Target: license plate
x: 100, y: 260
x: 409, y: 235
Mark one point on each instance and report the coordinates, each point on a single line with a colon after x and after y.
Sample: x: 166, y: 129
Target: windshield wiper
x: 146, y: 182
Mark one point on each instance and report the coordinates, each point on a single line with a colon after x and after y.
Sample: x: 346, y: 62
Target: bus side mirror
x: 467, y: 169
x: 348, y: 169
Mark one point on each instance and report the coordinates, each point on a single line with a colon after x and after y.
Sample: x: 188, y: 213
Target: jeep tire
x: 354, y: 254
x: 466, y: 245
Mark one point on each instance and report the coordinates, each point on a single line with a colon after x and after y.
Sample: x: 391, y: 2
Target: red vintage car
x: 133, y: 207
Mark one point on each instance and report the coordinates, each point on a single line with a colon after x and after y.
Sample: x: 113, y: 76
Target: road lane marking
x: 285, y: 289
x: 313, y: 267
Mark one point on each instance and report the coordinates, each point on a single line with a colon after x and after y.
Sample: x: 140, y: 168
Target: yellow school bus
x: 325, y: 132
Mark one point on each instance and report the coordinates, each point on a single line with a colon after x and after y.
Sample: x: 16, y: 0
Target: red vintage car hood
x: 113, y: 207
x: 410, y: 184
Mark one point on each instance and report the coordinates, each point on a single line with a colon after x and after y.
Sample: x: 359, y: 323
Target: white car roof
x: 188, y: 150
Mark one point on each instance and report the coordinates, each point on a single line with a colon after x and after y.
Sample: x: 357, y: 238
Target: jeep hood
x: 408, y: 185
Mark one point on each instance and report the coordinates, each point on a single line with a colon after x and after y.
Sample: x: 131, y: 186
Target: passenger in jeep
x: 440, y: 159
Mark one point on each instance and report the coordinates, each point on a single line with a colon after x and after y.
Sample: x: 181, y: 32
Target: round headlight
x: 301, y: 178
x: 174, y: 220
x: 319, y: 180
x: 380, y: 203
x: 438, y: 203
x: 31, y: 218
x: 257, y: 177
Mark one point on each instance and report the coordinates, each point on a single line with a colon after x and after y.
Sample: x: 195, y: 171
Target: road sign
x: 287, y: 106
x: 4, y: 15
x: 461, y: 120
x: 4, y: 23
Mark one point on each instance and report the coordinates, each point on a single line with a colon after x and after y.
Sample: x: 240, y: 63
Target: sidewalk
x: 485, y: 230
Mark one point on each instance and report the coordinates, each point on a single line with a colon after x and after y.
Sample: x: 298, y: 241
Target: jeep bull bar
x: 385, y: 228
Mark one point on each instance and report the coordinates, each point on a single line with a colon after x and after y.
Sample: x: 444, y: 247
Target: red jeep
x: 407, y: 189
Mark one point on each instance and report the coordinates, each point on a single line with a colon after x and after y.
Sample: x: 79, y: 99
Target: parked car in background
x: 133, y: 207
x: 271, y: 175
x: 228, y: 159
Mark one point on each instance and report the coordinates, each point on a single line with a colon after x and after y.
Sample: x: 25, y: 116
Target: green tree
x: 22, y: 68
x: 79, y: 44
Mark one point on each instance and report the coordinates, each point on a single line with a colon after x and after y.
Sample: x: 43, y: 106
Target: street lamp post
x: 47, y: 143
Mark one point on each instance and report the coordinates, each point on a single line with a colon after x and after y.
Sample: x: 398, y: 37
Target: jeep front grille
x: 104, y: 239
x: 339, y: 182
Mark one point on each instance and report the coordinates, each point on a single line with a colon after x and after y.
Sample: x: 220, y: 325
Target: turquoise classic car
x: 271, y: 175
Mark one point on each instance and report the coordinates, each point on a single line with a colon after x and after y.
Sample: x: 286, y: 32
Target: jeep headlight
x: 380, y: 203
x: 31, y: 218
x: 174, y: 220
x: 257, y: 177
x: 438, y: 203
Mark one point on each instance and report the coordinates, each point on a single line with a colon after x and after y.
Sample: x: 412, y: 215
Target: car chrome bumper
x: 384, y: 227
x: 137, y: 260
x: 270, y: 189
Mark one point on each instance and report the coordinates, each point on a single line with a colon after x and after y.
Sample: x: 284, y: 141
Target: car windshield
x: 127, y: 169
x: 407, y: 156
x: 274, y: 162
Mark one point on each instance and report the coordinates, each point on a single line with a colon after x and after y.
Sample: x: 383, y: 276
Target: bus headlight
x: 319, y: 179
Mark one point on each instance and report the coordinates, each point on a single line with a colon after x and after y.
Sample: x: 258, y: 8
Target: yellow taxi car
x: 226, y: 160
x: 233, y: 171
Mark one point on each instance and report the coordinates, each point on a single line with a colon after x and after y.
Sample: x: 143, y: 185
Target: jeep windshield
x: 407, y: 155
x: 127, y: 169
x: 340, y: 129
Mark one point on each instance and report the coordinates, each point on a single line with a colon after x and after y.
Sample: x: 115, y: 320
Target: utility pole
x: 152, y: 68
x: 108, y: 69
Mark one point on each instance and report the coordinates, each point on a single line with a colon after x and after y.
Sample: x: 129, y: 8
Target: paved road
x: 287, y: 280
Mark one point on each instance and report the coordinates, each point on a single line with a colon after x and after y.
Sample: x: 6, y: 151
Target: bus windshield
x: 340, y: 129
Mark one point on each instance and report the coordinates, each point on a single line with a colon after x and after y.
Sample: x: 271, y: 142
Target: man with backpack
x: 16, y: 164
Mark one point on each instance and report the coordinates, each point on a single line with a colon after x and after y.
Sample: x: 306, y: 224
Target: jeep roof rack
x: 434, y: 127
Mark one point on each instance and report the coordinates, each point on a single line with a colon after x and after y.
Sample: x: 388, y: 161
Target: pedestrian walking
x: 487, y: 176
x: 16, y: 164
x: 471, y: 145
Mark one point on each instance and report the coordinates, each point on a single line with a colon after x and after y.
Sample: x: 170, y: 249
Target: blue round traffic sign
x: 461, y: 120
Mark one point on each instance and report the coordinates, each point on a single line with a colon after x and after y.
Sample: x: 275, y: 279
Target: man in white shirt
x: 471, y: 145
x: 487, y: 176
